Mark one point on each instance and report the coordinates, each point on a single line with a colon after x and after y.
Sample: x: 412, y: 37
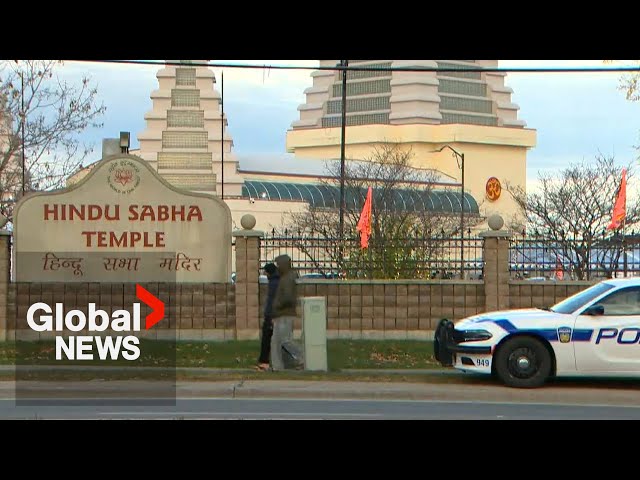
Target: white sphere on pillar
x: 248, y: 221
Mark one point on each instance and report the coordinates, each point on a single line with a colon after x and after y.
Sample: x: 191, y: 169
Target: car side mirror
x: 595, y: 310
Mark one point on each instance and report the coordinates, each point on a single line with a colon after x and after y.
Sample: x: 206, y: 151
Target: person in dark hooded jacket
x: 267, y: 325
x: 284, y: 310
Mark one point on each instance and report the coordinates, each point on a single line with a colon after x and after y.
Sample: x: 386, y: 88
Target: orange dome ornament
x: 493, y: 189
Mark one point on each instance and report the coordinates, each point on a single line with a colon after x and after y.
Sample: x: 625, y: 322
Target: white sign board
x: 122, y: 223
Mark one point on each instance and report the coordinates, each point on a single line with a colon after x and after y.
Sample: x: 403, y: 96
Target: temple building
x: 469, y: 111
x: 186, y: 138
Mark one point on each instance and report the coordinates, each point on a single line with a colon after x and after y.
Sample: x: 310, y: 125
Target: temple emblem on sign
x: 124, y: 176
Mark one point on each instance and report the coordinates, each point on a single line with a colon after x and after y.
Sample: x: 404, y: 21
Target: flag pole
x: 624, y: 246
x: 370, y: 255
x: 370, y: 252
x: 624, y: 229
x: 619, y: 221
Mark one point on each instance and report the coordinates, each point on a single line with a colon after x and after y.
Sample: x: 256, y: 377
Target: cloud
x: 575, y: 115
x: 273, y: 88
x: 260, y: 105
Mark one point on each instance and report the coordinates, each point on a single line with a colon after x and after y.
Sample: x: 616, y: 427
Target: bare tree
x: 406, y: 233
x: 630, y: 83
x: 571, y: 212
x: 52, y: 113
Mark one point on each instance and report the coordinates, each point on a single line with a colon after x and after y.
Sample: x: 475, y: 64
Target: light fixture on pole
x: 125, y: 140
x: 460, y: 159
x: 222, y: 125
x: 22, y: 120
x: 344, y: 64
x: 222, y: 131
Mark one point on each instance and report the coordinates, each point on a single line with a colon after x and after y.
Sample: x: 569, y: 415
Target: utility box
x: 314, y: 333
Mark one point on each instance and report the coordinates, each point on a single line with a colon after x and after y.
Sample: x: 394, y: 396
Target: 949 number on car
x: 483, y: 362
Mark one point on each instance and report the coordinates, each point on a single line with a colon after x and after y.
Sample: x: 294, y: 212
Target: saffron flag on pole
x: 364, y: 224
x: 620, y: 207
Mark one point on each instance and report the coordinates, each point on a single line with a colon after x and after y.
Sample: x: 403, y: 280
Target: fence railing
x: 575, y: 258
x: 413, y: 257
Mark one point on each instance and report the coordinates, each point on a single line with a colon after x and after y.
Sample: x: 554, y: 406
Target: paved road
x: 262, y: 409
x: 468, y: 398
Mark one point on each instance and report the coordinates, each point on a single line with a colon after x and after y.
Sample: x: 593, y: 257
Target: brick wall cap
x: 248, y: 233
x: 496, y: 234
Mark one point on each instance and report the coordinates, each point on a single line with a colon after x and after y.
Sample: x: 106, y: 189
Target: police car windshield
x: 571, y: 304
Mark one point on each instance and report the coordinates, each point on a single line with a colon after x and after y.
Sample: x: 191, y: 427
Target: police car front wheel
x: 523, y: 362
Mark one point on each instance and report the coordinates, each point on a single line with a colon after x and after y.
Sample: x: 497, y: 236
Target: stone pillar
x: 496, y: 265
x: 5, y: 280
x: 247, y: 279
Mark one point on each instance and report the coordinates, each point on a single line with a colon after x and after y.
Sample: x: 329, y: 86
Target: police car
x: 595, y: 332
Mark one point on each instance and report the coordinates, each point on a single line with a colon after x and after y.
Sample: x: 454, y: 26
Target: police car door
x: 613, y: 346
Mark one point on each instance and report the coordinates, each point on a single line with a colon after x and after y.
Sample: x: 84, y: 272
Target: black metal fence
x: 413, y: 257
x: 574, y: 259
x: 439, y: 256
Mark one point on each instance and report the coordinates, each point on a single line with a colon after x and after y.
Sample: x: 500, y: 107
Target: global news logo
x: 42, y: 318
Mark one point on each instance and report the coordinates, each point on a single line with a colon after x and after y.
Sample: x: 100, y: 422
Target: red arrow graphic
x: 157, y: 306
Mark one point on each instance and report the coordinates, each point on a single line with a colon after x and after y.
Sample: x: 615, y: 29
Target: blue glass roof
x: 328, y: 196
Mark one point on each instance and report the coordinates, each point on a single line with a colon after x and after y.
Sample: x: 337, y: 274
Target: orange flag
x: 620, y: 207
x: 364, y: 224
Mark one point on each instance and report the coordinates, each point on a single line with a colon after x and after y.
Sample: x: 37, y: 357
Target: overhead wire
x: 365, y: 68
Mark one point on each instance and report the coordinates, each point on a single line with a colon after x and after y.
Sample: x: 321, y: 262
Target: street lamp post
x: 343, y: 63
x: 460, y: 159
x: 222, y: 130
x: 22, y: 120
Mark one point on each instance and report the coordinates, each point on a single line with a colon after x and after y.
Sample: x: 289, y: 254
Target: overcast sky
x: 575, y: 114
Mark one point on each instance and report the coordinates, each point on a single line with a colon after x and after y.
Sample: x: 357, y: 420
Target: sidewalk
x: 484, y: 388
x: 488, y: 391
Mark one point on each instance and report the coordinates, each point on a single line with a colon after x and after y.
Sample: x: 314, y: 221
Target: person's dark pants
x: 265, y: 344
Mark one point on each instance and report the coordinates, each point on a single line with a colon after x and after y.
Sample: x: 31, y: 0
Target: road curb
x: 205, y: 370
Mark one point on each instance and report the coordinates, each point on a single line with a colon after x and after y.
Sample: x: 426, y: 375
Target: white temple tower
x: 402, y: 98
x: 183, y: 139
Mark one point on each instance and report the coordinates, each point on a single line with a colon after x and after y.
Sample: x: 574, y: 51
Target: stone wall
x: 194, y: 310
x: 523, y: 294
x: 356, y: 309
x: 391, y: 309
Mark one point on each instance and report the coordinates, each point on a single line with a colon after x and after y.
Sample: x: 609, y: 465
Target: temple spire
x: 183, y: 139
